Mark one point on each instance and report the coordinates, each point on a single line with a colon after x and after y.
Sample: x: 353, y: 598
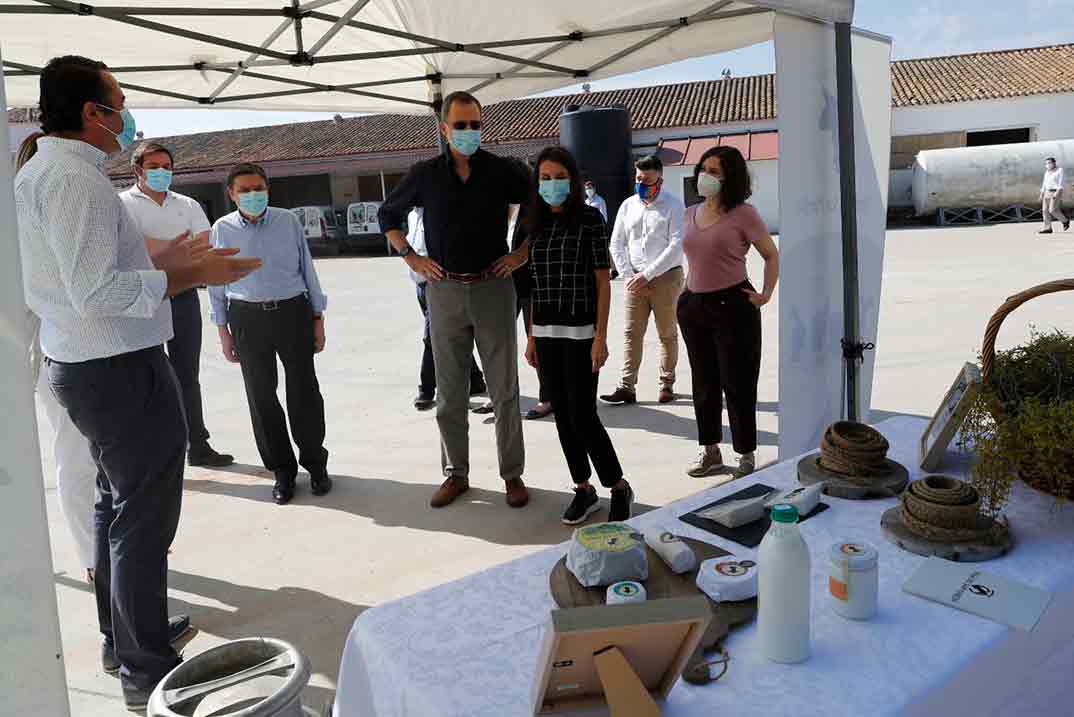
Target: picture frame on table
x: 949, y: 416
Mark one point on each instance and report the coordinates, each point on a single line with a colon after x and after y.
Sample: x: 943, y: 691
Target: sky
x: 920, y: 28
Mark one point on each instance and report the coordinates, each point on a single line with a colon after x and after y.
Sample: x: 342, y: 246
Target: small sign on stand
x: 624, y: 657
x: 949, y: 416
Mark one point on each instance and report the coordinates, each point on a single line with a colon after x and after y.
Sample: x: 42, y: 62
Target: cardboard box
x: 580, y: 656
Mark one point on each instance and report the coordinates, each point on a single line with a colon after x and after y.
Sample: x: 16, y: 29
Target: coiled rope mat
x: 853, y: 463
x: 941, y: 516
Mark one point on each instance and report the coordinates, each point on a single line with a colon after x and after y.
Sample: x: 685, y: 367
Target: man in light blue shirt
x: 280, y: 313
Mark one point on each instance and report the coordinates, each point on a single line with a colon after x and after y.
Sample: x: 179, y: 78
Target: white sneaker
x: 709, y: 462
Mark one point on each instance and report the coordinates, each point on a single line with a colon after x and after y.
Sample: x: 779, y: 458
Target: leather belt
x: 470, y: 278
x: 265, y: 305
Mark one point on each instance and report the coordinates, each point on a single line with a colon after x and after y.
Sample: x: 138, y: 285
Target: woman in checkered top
x: 571, y: 295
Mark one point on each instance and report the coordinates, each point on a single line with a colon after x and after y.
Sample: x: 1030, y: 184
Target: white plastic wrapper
x: 804, y: 498
x: 607, y: 553
x: 672, y: 550
x: 734, y: 513
x: 728, y: 579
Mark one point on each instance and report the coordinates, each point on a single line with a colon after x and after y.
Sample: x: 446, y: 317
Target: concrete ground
x: 242, y: 566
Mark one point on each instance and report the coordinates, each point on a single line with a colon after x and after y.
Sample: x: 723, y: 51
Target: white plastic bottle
x: 783, y: 589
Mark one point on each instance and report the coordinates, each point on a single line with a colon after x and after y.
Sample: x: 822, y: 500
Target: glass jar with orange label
x: 854, y: 580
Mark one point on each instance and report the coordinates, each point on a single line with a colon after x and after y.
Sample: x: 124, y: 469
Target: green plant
x: 1022, y: 423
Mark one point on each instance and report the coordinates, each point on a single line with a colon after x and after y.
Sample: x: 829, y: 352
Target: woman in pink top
x: 719, y: 312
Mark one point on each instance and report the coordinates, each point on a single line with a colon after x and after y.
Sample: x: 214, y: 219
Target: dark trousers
x: 128, y: 407
x: 722, y: 331
x: 524, y: 311
x: 428, y: 366
x: 184, y: 351
x: 260, y: 336
x: 571, y: 384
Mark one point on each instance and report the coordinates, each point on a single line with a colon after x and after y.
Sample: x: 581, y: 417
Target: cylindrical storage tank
x: 599, y: 138
x: 995, y: 176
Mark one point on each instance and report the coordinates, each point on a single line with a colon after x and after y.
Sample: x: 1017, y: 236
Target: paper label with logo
x: 608, y: 537
x: 967, y: 587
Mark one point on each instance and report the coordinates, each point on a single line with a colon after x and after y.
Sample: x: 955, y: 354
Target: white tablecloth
x: 470, y: 647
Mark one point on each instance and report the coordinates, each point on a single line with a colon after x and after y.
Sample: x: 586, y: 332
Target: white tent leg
x: 811, y: 284
x: 32, y: 681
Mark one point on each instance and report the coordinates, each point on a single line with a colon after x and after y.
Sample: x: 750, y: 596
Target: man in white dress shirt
x: 594, y: 200
x: 162, y: 214
x: 647, y: 251
x: 105, y: 314
x: 1051, y: 196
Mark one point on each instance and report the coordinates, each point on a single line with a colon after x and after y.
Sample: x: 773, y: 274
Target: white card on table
x: 966, y: 587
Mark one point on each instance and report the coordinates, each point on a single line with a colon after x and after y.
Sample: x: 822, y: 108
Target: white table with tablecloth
x: 470, y: 647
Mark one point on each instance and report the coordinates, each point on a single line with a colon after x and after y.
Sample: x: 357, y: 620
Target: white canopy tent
x: 403, y: 56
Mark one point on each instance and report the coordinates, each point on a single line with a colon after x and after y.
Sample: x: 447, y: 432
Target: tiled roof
x: 936, y: 80
x: 983, y: 76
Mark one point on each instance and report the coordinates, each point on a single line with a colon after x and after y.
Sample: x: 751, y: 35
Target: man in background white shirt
x: 1051, y: 195
x: 162, y: 214
x: 647, y: 251
x: 104, y: 315
x: 594, y: 200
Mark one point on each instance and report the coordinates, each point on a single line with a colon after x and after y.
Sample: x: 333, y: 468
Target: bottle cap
x: 784, y: 513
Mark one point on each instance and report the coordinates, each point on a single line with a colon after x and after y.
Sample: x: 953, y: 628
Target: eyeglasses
x: 461, y: 125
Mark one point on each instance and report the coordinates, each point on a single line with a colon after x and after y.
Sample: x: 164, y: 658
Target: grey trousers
x: 460, y: 316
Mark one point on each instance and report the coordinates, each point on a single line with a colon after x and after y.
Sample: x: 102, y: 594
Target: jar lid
x: 857, y: 556
x: 784, y: 513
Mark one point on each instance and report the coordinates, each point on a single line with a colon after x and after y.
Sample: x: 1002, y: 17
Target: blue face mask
x: 129, y: 133
x: 554, y: 191
x: 159, y: 180
x: 253, y: 203
x: 466, y: 141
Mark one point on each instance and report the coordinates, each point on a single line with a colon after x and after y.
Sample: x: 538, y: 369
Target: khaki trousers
x: 1052, y: 206
x: 661, y: 304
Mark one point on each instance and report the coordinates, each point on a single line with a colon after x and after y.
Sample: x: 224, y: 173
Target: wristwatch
x: 406, y: 251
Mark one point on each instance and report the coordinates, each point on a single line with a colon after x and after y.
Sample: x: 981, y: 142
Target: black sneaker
x: 621, y: 397
x: 178, y: 627
x: 136, y: 699
x: 478, y: 387
x: 622, y: 503
x: 424, y: 401
x: 206, y: 457
x: 1066, y: 226
x: 1045, y: 231
x: 585, y: 504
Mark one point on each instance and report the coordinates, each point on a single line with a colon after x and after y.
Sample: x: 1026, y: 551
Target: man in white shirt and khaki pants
x: 1051, y: 195
x: 647, y: 251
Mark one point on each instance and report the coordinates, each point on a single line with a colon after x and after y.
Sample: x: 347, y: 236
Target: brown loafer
x: 517, y: 495
x: 451, y: 489
x: 666, y: 395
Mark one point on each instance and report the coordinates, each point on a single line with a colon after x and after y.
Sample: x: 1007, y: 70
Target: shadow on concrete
x: 654, y: 418
x: 479, y: 513
x: 876, y: 415
x: 315, y: 623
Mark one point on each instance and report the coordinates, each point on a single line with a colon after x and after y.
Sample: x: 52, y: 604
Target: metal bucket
x: 252, y: 677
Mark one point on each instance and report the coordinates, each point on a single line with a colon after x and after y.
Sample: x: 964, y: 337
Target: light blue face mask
x: 130, y: 128
x: 466, y: 141
x: 159, y: 180
x: 253, y: 203
x: 554, y: 191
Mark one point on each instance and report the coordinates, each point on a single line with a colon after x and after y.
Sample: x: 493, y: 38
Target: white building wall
x: 1052, y: 116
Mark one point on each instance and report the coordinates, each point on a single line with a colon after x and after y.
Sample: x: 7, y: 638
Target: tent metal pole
x: 242, y: 68
x: 139, y: 88
x: 852, y: 344
x: 299, y: 50
x: 314, y: 4
x: 331, y: 88
x: 83, y: 9
x: 655, y: 37
x: 438, y: 105
x: 113, y: 11
x: 339, y: 25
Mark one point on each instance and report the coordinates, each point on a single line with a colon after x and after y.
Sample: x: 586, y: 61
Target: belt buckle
x: 270, y: 305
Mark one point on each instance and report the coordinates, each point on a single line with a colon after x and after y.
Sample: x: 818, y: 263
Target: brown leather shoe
x: 451, y: 489
x: 666, y: 395
x: 517, y: 495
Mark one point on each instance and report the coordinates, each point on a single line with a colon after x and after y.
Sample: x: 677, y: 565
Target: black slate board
x: 750, y: 534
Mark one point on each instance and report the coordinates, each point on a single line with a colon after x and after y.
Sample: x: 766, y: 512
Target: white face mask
x: 590, y: 192
x: 708, y: 185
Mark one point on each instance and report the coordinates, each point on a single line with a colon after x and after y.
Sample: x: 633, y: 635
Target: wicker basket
x: 988, y: 357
